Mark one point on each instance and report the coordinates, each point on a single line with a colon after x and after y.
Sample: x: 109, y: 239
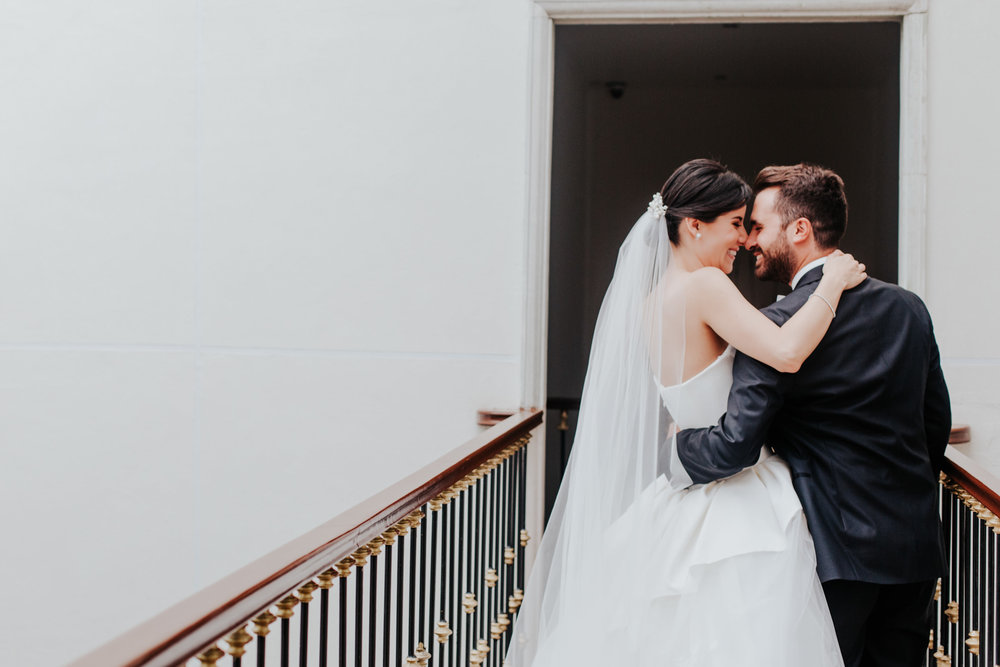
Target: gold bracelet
x: 826, y: 301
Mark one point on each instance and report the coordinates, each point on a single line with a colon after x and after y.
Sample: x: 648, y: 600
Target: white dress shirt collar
x: 807, y: 268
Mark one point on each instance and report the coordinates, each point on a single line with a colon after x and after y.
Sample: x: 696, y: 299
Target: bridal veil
x: 585, y: 580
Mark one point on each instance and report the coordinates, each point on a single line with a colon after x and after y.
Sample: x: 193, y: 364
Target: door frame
x: 912, y: 14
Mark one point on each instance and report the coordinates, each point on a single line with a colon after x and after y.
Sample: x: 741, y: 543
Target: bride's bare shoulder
x: 709, y: 279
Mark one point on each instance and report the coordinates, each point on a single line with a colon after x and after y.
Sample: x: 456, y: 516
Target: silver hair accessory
x: 656, y: 207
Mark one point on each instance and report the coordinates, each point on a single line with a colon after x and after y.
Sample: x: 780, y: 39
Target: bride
x: 637, y: 567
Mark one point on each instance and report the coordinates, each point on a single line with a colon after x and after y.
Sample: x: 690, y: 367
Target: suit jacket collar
x: 811, y: 276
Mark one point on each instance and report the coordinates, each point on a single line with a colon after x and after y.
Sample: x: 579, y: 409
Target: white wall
x: 963, y: 237
x: 258, y: 261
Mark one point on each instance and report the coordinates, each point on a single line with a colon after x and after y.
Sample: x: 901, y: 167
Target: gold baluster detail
x: 410, y: 660
x: 469, y: 603
x: 389, y: 536
x: 504, y: 621
x: 930, y: 642
x: 237, y: 642
x: 973, y: 642
x: 325, y: 579
x: 942, y: 659
x: 525, y: 538
x: 286, y: 607
x: 478, y: 654
x: 210, y: 656
x: 952, y: 611
x: 442, y: 632
x: 434, y: 505
x: 518, y: 598
x: 422, y: 654
x: 491, y: 578
x: 508, y: 555
x: 375, y: 546
x: 262, y: 622
x: 495, y: 631
x: 937, y: 593
x: 344, y: 567
x: 305, y: 591
x: 360, y: 556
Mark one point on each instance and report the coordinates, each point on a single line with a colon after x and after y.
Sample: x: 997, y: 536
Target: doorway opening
x: 632, y: 102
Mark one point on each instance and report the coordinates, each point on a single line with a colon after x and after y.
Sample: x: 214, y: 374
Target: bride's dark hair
x: 701, y: 189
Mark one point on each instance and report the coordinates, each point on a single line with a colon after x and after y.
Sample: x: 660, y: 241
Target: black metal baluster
x: 344, y: 570
x: 435, y: 520
x: 412, y: 555
x: 521, y: 520
x: 286, y: 608
x: 304, y: 594
x: 390, y: 539
x: 422, y: 607
x: 325, y: 580
x: 261, y: 627
x: 376, y: 548
x: 400, y: 563
x: 360, y: 559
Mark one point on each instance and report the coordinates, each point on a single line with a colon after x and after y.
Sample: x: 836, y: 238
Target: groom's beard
x: 776, y: 263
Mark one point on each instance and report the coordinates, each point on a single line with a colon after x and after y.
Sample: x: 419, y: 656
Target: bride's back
x: 687, y: 345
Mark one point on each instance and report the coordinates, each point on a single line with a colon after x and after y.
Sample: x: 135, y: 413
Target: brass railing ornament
x: 952, y: 611
x: 238, y: 641
x: 210, y: 656
x: 491, y: 578
x: 478, y: 654
x: 937, y: 592
x: 442, y: 632
x: 262, y: 622
x: 344, y: 567
x: 504, y: 621
x: 495, y: 630
x: 508, y: 556
x: 376, y: 544
x: 361, y: 555
x: 518, y: 597
x: 942, y: 659
x: 410, y: 660
x: 389, y: 536
x: 325, y: 579
x: 525, y: 538
x: 422, y: 654
x: 973, y: 642
x: 930, y: 642
x: 435, y: 504
x: 305, y: 591
x: 286, y: 606
x: 469, y: 603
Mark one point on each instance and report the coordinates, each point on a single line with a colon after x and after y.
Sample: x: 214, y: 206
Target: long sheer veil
x: 585, y: 579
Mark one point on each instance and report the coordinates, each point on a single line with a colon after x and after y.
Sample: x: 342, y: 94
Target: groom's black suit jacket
x: 863, y: 426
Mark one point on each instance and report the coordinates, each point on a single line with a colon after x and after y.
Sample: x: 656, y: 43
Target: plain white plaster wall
x: 962, y: 237
x: 258, y: 262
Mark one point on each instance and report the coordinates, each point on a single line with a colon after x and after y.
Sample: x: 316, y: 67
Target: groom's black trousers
x: 881, y: 625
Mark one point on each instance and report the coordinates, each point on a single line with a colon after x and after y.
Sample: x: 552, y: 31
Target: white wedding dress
x: 729, y: 568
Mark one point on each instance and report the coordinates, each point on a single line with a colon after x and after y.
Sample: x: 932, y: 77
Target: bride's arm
x: 720, y: 305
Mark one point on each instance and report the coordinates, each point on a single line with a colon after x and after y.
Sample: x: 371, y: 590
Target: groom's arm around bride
x: 863, y: 425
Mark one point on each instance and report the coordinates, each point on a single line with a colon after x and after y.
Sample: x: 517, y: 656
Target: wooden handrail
x: 184, y: 629
x: 974, y: 478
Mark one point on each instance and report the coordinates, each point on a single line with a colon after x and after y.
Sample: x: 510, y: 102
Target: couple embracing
x: 746, y: 487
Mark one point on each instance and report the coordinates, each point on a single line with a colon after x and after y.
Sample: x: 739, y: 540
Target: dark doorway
x: 633, y: 102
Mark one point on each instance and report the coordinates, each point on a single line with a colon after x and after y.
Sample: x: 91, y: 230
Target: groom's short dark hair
x: 812, y: 192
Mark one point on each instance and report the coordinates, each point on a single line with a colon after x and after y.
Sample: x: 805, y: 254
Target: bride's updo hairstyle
x: 703, y: 190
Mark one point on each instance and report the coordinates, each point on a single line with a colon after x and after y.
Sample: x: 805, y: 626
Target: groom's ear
x: 801, y: 230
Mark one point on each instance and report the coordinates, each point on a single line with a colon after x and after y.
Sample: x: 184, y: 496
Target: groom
x: 863, y: 425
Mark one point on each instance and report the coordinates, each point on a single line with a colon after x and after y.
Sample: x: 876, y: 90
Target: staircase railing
x: 433, y: 565
x: 966, y: 629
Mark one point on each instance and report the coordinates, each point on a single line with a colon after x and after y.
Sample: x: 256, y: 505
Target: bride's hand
x: 845, y: 269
